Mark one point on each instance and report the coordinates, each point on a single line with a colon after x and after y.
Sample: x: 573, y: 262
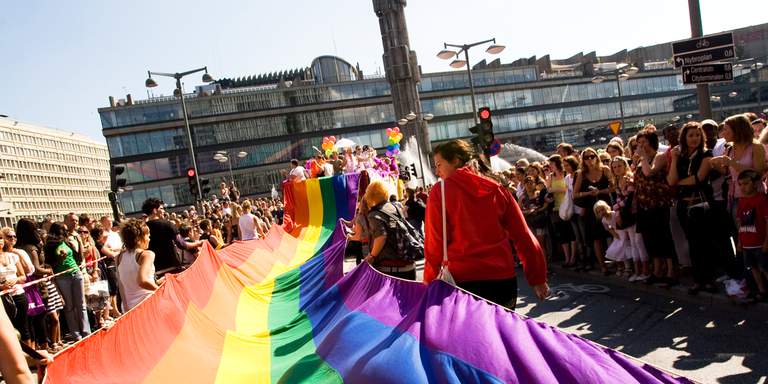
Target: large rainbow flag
x: 280, y: 310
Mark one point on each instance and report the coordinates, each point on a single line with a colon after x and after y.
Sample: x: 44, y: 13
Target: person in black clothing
x: 414, y: 210
x: 162, y: 236
x: 384, y: 255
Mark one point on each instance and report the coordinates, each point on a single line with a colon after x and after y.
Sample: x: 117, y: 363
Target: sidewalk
x: 679, y: 292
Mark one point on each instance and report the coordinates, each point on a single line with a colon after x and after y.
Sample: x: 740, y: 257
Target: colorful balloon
x: 396, y: 130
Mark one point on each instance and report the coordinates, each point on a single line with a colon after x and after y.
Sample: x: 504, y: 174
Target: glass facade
x: 530, y: 111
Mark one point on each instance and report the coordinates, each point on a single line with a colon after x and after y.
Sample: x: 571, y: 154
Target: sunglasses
x: 83, y: 231
x: 589, y: 157
x: 606, y: 161
x: 11, y: 236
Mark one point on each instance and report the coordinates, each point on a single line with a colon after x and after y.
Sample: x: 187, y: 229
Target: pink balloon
x: 396, y: 130
x: 389, y: 131
x: 332, y: 139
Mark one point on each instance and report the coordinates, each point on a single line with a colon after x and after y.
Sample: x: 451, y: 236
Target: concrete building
x: 537, y: 103
x: 46, y: 172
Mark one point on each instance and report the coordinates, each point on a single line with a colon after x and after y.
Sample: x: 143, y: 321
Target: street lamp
x: 623, y: 71
x: 179, y: 92
x: 405, y: 120
x: 447, y: 54
x: 222, y: 157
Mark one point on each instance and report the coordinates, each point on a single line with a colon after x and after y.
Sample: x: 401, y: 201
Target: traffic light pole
x: 189, y: 137
x: 471, y: 84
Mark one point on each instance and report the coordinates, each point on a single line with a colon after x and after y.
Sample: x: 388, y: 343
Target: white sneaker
x: 633, y: 278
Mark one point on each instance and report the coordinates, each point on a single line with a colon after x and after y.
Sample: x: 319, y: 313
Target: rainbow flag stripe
x: 280, y: 310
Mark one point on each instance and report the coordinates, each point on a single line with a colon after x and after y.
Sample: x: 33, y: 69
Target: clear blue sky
x: 60, y: 60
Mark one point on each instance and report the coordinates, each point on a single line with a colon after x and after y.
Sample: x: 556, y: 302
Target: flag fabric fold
x: 280, y: 310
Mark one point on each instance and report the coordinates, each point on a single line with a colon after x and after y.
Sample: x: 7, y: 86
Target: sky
x: 61, y: 60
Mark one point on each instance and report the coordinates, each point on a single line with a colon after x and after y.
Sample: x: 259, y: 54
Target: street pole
x: 231, y: 176
x: 179, y: 86
x: 621, y: 101
x: 702, y: 90
x: 471, y: 85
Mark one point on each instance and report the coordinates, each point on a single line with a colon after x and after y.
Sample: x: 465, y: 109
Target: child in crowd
x: 619, y: 250
x: 751, y: 217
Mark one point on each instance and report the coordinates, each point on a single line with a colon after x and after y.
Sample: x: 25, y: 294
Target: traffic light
x: 115, y: 181
x: 413, y: 170
x: 192, y: 181
x: 483, y: 131
x: 206, y: 185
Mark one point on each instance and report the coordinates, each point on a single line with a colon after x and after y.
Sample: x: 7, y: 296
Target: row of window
x: 11, y: 165
x: 57, y: 144
x: 249, y: 129
x: 48, y: 181
x: 31, y: 193
x: 40, y: 155
x: 71, y: 206
x: 285, y: 97
x: 445, y: 130
x: 234, y: 131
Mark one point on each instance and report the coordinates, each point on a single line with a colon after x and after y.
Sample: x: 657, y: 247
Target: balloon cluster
x: 394, y: 135
x: 328, y: 144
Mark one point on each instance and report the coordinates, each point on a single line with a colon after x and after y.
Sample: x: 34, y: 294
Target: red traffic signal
x: 191, y: 172
x: 484, y: 113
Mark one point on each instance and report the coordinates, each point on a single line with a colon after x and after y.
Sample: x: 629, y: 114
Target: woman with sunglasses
x: 593, y: 182
x: 13, y: 274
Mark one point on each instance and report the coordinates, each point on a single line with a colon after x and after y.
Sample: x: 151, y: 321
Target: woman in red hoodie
x: 483, y: 223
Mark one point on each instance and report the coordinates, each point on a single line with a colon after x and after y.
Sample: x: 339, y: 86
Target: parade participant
x: 297, y: 173
x: 135, y: 264
x: 479, y: 255
x: 357, y: 232
x: 248, y: 224
x: 384, y: 220
x: 163, y: 235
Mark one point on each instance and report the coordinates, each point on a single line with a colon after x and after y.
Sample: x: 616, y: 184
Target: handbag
x: 445, y: 274
x: 36, y: 305
x: 566, y: 206
x: 701, y: 207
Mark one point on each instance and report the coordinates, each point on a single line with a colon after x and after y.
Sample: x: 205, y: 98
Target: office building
x: 537, y: 102
x: 48, y: 172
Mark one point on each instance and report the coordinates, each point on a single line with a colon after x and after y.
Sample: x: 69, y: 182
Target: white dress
x: 619, y: 248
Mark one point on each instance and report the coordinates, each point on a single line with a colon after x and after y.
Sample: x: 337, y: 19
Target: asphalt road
x: 708, y: 343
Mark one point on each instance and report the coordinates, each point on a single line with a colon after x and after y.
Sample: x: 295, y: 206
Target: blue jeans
x: 75, y: 313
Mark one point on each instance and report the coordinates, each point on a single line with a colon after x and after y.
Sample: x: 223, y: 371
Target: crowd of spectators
x: 62, y: 280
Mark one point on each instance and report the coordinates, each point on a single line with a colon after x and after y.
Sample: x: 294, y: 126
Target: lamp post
x: 221, y: 157
x: 409, y: 118
x: 623, y: 72
x: 446, y: 54
x: 754, y: 71
x: 179, y: 92
x: 719, y: 100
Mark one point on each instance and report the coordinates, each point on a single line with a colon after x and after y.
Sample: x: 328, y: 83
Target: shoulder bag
x: 445, y: 274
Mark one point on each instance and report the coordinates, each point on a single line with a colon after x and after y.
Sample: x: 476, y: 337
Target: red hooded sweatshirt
x: 484, y: 221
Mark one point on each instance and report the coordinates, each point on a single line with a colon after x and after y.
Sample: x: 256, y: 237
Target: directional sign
x: 705, y: 56
x: 707, y: 73
x: 701, y: 50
